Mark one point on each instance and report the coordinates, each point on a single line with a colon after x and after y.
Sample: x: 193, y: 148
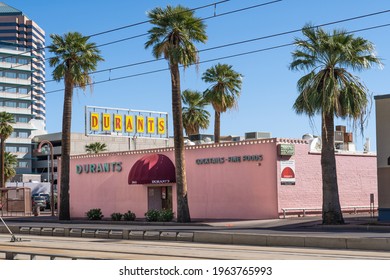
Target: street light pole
x: 46, y: 142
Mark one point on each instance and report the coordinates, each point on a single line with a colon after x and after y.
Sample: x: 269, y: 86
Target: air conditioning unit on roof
x: 339, y: 137
x: 257, y: 135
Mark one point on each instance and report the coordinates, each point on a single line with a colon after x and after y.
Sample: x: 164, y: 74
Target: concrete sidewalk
x: 359, y: 232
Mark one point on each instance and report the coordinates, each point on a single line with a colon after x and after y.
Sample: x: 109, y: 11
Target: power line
x: 242, y: 42
x: 220, y: 58
x: 206, y: 18
x: 145, y: 34
x: 230, y: 44
x: 147, y: 21
x: 119, y: 28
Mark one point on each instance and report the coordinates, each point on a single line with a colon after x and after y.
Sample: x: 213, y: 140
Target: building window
x: 23, y: 105
x: 23, y: 90
x: 9, y: 89
x: 23, y: 119
x: 22, y: 164
x: 23, y: 149
x: 23, y: 134
x: 23, y: 76
x: 11, y: 149
x: 10, y: 104
x: 11, y: 75
x: 23, y: 61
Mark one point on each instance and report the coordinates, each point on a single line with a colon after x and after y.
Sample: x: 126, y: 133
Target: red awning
x: 152, y: 169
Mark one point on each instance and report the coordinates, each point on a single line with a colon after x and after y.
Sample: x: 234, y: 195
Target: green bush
x: 94, y: 214
x: 129, y: 216
x: 116, y: 216
x: 152, y: 215
x: 165, y: 215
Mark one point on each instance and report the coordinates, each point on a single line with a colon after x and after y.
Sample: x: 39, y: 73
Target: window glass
x: 22, y: 164
x: 23, y: 105
x: 10, y: 104
x: 23, y: 119
x: 10, y: 149
x: 23, y: 134
x: 23, y: 76
x: 23, y: 149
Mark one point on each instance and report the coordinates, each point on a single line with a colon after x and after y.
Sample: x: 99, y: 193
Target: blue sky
x: 269, y: 87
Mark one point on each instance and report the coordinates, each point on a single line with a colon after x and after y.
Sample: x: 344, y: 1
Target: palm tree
x: 331, y: 91
x: 74, y: 58
x: 95, y: 148
x: 175, y: 31
x: 10, y: 162
x: 195, y: 117
x: 223, y: 93
x: 6, y: 129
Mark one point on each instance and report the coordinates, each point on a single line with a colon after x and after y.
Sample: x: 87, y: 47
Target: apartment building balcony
x: 15, y: 96
x: 15, y: 82
x: 16, y: 66
x: 16, y: 111
x: 18, y: 140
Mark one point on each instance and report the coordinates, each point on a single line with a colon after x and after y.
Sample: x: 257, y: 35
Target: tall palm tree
x: 223, y: 93
x: 96, y: 147
x: 331, y: 91
x: 6, y: 129
x: 173, y: 35
x: 10, y: 162
x: 195, y: 117
x: 74, y: 58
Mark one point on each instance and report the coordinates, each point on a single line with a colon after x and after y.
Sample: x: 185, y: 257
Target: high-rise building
x: 22, y: 81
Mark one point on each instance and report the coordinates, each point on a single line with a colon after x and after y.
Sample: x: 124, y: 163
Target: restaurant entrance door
x: 160, y: 198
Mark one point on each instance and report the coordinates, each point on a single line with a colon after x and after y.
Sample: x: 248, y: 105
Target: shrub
x: 129, y: 216
x: 152, y: 215
x: 165, y: 215
x: 94, y: 214
x: 116, y: 216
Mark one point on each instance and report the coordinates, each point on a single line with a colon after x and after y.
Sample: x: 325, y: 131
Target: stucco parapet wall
x: 194, y: 147
x: 291, y: 141
x: 346, y: 153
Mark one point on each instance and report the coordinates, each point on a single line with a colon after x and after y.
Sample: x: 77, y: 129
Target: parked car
x: 39, y: 201
x: 47, y: 198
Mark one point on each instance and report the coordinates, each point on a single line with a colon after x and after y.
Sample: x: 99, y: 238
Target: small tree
x: 10, y: 162
x: 95, y: 148
x: 195, y: 117
x: 223, y: 93
x: 6, y: 129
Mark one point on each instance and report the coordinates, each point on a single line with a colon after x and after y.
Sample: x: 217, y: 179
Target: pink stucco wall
x: 222, y: 189
x: 356, y: 174
x: 237, y: 190
x: 242, y: 190
x: 108, y: 191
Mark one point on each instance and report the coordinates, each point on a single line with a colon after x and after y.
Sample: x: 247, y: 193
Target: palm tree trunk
x: 183, y: 212
x: 2, y: 163
x: 331, y: 210
x: 217, y: 126
x: 64, y: 213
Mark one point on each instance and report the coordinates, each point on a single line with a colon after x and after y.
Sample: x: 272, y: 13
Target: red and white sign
x: 287, y: 176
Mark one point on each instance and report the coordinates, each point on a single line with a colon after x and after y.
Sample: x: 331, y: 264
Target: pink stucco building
x: 236, y: 180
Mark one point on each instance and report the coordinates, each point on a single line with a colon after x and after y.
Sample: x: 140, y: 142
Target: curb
x: 253, y: 239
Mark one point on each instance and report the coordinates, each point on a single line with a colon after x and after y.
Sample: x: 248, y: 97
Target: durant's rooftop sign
x: 125, y: 122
